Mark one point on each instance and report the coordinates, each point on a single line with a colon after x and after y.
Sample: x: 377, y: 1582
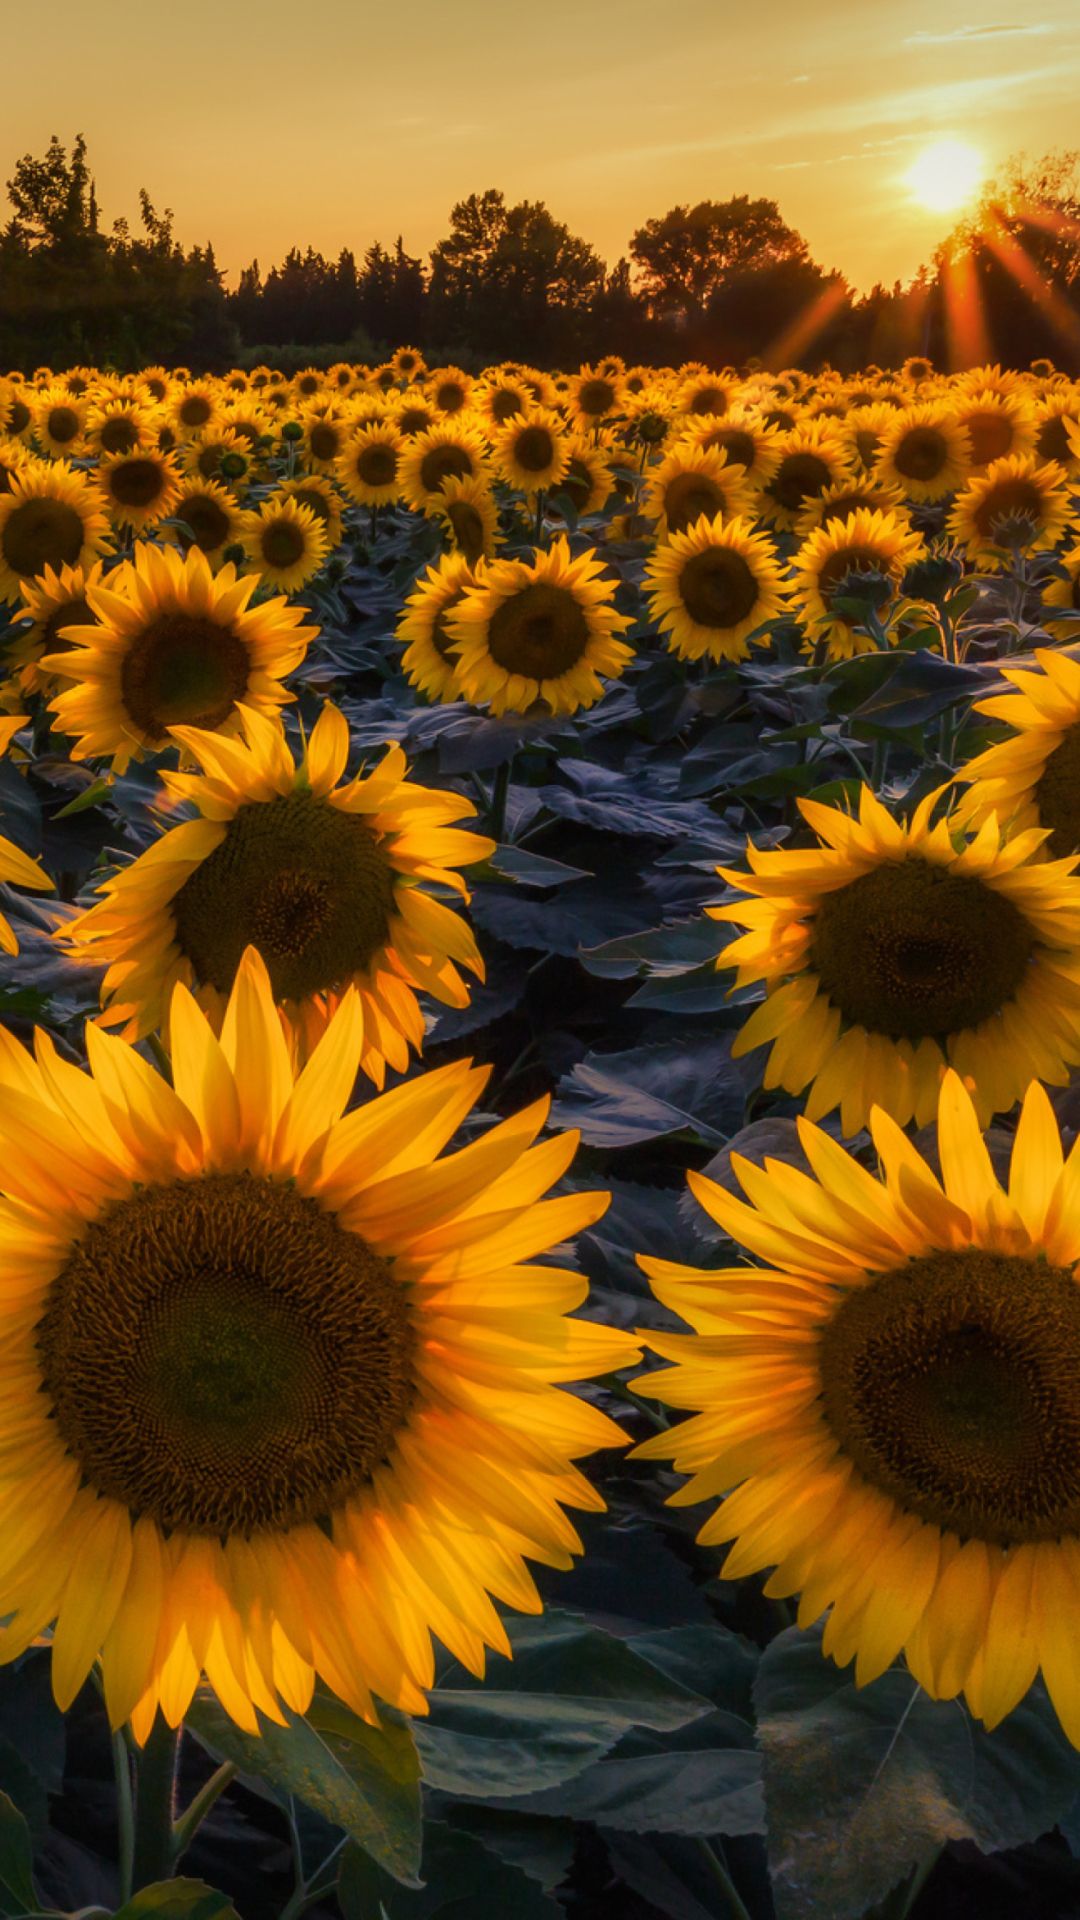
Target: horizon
x: 845, y: 190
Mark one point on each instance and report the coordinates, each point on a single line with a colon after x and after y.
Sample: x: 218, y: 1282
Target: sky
x: 268, y: 125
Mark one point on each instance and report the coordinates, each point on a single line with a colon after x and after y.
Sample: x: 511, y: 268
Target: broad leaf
x: 178, y: 1900
x: 17, y: 1892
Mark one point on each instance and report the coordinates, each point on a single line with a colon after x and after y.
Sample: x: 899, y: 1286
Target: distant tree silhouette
x: 507, y: 274
x: 688, y: 256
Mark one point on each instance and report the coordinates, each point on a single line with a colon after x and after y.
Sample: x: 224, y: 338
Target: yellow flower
x: 825, y: 509
x: 141, y: 488
x: 889, y: 1405
x: 594, y: 396
x: 538, y: 633
x: 867, y: 542
x: 60, y: 423
x: 450, y: 389
x: 531, y: 450
x: 193, y: 407
x: 1014, y: 503
x: 429, y: 661
x: 285, y: 544
x: 440, y: 454
x: 588, y: 479
x: 57, y: 599
x: 121, y: 425
x: 997, y: 423
x: 813, y: 456
x: 395, y: 1442
x: 745, y: 438
x: 327, y: 432
x: 204, y: 514
x: 709, y: 588
x: 369, y: 465
x: 891, y: 951
x: 50, y: 516
x: 694, y: 481
x: 1033, y: 778
x: 175, y: 644
x: 470, y: 516
x: 16, y: 868
x: 925, y: 451
x: 314, y: 490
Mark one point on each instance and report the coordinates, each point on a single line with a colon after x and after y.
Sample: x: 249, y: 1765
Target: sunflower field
x: 539, y: 1184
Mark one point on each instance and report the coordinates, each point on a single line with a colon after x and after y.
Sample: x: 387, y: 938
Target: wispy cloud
x: 973, y: 33
x: 799, y: 80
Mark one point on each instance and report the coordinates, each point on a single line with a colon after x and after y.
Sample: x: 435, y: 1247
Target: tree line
x: 722, y: 282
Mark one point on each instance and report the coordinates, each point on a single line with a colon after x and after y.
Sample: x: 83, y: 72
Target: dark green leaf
x: 179, y: 1900
x: 462, y: 1880
x: 17, y: 1892
x: 619, y: 1098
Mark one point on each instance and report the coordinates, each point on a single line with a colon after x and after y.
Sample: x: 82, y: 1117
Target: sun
x: 946, y: 175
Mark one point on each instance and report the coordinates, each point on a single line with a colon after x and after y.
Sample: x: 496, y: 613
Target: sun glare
x: 946, y: 175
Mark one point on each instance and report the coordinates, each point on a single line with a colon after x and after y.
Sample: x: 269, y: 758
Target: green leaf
x: 83, y: 801
x: 364, y: 1779
x: 463, y: 1878
x: 679, y: 1085
x: 179, y: 1900
x: 709, y: 1789
x: 17, y: 1891
x: 862, y: 1785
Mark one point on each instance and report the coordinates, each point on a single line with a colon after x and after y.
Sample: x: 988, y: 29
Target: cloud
x: 799, y: 80
x: 971, y: 33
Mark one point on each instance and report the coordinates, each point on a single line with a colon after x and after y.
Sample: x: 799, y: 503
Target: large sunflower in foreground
x: 840, y: 560
x: 543, y: 632
x: 16, y: 867
x: 1033, y: 778
x: 175, y: 645
x: 711, y: 587
x: 279, y: 1399
x: 50, y: 516
x: 329, y: 881
x: 895, y: 1400
x: 889, y: 952
x: 1015, y: 504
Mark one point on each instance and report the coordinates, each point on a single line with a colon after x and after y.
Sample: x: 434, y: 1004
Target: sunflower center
x: 798, y: 477
x: 954, y: 1385
x: 1052, y: 440
x: 41, y: 533
x: 717, y: 587
x: 534, y: 449
x: 1008, y: 500
x: 991, y: 435
x: 413, y: 419
x: 921, y: 453
x: 195, y: 410
x: 137, y: 483
x: 735, y: 442
x: 62, y: 423
x: 708, y: 400
x: 304, y: 882
x: 867, y: 442
x: 223, y: 1356
x: 449, y: 397
x: 324, y: 441
x: 540, y: 632
x: 848, y: 503
x: 1057, y: 795
x: 207, y: 521
x: 119, y: 434
x: 505, y: 404
x: 596, y: 396
x: 73, y: 613
x: 282, y: 543
x: 443, y: 463
x: 689, y: 495
x: 377, y: 466
x: 19, y: 416
x: 911, y: 950
x: 183, y: 670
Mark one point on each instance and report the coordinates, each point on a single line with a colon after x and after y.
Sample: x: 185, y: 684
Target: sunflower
x: 813, y: 456
x: 121, y: 426
x: 744, y: 438
x: 285, y: 544
x: 14, y: 458
x: 408, y: 363
x: 890, y: 1399
x: 1057, y: 431
x: 593, y: 397
x: 154, y: 383
x: 56, y: 599
x: 281, y: 1398
x: 194, y: 407
x: 544, y: 632
x: 695, y: 481
x: 16, y: 413
x: 329, y: 881
x: 412, y: 412
x: 997, y: 423
x: 925, y: 451
x: 204, y: 515
x: 862, y: 431
x: 441, y: 454
x: 60, y: 423
x: 530, y: 450
x: 430, y: 660
x: 1014, y: 503
x: 499, y: 399
x: 16, y: 868
x: 1032, y: 779
x: 450, y: 389
x: 315, y: 491
x: 176, y: 644
x: 50, y: 516
x: 836, y: 503
x: 327, y: 432
x: 895, y: 950
x: 588, y: 481
x: 706, y: 394
x: 877, y: 546
x: 469, y: 515
x: 709, y: 588
x: 369, y: 466
x: 222, y: 455
x: 141, y: 488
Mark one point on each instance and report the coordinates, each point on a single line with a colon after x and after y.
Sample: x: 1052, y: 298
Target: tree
x: 686, y: 257
x: 504, y: 273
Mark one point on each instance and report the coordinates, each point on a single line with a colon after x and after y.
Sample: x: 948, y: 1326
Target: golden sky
x: 268, y: 125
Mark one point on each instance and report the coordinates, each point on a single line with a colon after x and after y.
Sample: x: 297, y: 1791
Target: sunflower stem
x: 723, y: 1880
x: 125, y: 1812
x: 187, y: 1826
x: 155, y: 1790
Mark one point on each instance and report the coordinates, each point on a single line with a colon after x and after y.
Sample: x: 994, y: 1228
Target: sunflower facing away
x: 541, y: 632
x: 889, y: 953
x: 175, y: 645
x: 709, y: 588
x: 50, y: 516
x: 16, y: 867
x: 895, y: 1401
x: 1033, y: 778
x: 329, y: 881
x: 280, y: 1399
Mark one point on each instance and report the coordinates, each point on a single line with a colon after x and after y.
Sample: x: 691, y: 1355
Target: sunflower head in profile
x: 204, y: 515
x: 541, y: 633
x: 860, y: 558
x: 141, y: 488
x: 691, y: 482
x: 891, y: 1402
x: 1015, y: 505
x: 711, y: 587
x: 50, y: 516
x: 57, y: 599
x: 890, y: 951
x: 430, y: 658
x: 175, y: 644
x: 1032, y: 778
x: 329, y: 879
x: 16, y: 867
x: 530, y: 450
x: 60, y: 424
x: 455, y: 451
x: 285, y: 543
x: 469, y: 516
x: 812, y: 457
x: 286, y: 1401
